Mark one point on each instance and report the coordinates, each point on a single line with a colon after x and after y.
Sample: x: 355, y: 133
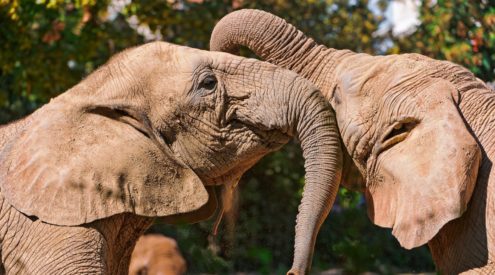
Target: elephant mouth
x: 230, y: 176
x: 264, y: 142
x: 272, y: 139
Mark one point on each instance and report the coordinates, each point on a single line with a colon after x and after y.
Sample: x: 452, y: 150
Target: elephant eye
x: 208, y: 83
x: 398, y: 132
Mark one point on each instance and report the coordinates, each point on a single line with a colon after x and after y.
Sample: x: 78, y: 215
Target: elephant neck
x: 468, y: 243
x: 314, y: 62
x: 7, y: 132
x: 121, y: 233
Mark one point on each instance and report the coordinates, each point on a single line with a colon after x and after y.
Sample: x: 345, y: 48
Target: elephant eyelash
x: 32, y: 217
x: 208, y: 83
x: 398, y: 129
x: 397, y: 133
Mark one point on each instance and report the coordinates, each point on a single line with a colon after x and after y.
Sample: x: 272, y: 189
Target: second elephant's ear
x: 426, y: 180
x: 72, y: 165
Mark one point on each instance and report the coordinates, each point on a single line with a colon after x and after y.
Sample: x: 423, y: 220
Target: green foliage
x: 341, y: 24
x: 461, y: 31
x: 39, y: 41
x: 182, y: 22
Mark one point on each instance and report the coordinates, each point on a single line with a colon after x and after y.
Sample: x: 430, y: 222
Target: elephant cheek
x: 424, y: 182
x: 381, y: 195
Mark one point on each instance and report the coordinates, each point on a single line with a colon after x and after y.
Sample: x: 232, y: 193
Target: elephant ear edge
x: 70, y: 167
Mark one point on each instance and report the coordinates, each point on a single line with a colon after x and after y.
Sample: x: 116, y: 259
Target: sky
x: 401, y: 17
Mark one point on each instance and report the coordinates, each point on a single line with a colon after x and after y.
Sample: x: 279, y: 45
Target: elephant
x: 420, y: 133
x: 155, y: 254
x: 152, y: 133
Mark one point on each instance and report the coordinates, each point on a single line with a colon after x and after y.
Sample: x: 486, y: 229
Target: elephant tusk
x: 218, y: 220
x: 226, y: 201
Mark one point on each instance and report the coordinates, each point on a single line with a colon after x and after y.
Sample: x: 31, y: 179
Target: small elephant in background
x: 156, y: 254
x: 420, y: 131
x: 149, y: 134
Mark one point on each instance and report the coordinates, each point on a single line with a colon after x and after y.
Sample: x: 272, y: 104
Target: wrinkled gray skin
x: 420, y: 131
x: 148, y: 134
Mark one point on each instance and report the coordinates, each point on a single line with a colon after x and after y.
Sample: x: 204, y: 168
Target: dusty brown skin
x: 420, y: 131
x: 156, y: 255
x: 148, y: 134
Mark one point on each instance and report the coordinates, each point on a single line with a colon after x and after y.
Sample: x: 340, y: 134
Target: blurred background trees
x: 456, y: 30
x: 47, y: 46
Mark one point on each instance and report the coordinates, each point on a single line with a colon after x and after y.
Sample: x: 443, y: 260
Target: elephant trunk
x: 321, y: 146
x: 276, y: 41
x: 298, y: 109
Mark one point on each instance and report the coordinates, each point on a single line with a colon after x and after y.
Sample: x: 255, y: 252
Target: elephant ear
x: 427, y: 179
x: 201, y: 214
x: 73, y: 165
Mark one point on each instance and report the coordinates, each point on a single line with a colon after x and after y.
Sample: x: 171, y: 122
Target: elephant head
x: 399, y: 120
x: 149, y: 132
x: 156, y: 254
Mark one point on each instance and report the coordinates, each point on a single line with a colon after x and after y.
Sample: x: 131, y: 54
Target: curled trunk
x: 320, y: 142
x: 276, y: 41
x: 297, y: 109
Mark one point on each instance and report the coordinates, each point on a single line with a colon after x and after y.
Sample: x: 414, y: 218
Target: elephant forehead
x: 359, y: 74
x: 189, y: 60
x: 227, y: 59
x: 354, y: 111
x: 180, y: 59
x: 374, y: 76
x: 369, y: 85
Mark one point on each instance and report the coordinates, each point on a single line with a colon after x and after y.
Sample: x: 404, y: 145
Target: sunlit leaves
x: 461, y: 31
x: 46, y: 36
